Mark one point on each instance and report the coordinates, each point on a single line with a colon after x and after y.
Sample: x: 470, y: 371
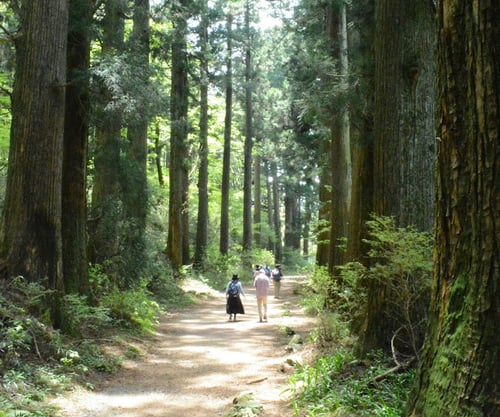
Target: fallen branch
x: 255, y: 381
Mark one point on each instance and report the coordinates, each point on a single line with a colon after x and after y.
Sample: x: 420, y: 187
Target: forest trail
x: 199, y: 362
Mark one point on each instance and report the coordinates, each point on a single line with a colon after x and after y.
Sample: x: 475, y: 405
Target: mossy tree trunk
x: 458, y: 374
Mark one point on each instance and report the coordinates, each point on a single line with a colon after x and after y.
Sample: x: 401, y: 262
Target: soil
x: 199, y: 362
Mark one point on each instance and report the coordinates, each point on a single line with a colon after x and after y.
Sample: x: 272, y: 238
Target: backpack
x: 276, y: 274
x: 233, y: 289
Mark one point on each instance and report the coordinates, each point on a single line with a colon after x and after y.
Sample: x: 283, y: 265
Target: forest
x: 355, y: 142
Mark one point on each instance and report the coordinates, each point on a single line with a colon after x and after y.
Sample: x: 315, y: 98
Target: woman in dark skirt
x: 233, y: 301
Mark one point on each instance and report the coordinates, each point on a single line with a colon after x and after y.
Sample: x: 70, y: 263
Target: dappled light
x: 200, y: 362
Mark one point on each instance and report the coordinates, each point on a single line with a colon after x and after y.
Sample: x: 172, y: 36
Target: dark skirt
x: 234, y: 306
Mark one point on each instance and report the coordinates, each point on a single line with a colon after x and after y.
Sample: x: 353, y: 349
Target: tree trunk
x: 404, y: 137
x: 31, y: 232
x: 134, y: 176
x: 362, y: 142
x: 178, y: 146
x: 159, y: 152
x: 257, y: 203
x: 226, y: 163
x: 458, y: 374
x: 269, y: 198
x: 292, y: 223
x: 325, y: 201
x: 341, y: 152
x: 247, y: 180
x: 74, y: 189
x: 278, y: 254
x: 106, y: 208
x: 202, y: 223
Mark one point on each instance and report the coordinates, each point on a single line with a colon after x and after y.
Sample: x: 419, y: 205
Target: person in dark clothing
x: 233, y: 301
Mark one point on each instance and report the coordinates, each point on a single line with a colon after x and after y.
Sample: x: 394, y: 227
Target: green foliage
x: 293, y: 260
x: 401, y: 262
x: 133, y: 307
x: 245, y: 406
x: 317, y: 290
x: 83, y: 319
x: 339, y: 382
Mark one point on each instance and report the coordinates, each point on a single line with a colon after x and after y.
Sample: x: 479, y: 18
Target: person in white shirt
x: 261, y: 284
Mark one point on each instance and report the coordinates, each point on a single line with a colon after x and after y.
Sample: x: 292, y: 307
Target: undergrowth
x: 338, y: 383
x: 37, y: 361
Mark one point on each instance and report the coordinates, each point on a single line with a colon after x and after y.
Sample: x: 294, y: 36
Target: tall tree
x: 134, y: 172
x: 340, y: 147
x: 76, y: 126
x: 362, y: 138
x: 247, y: 180
x: 106, y: 205
x: 226, y: 162
x: 178, y: 239
x: 257, y: 201
x: 202, y: 223
x: 278, y: 253
x: 404, y: 135
x: 31, y: 240
x: 458, y: 373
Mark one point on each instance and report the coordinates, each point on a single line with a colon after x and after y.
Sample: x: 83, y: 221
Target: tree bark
x: 177, y: 239
x: 341, y: 152
x: 202, y: 223
x: 458, y: 374
x: 226, y: 162
x: 31, y: 233
x: 106, y: 207
x: 257, y: 202
x: 325, y: 202
x: 404, y: 135
x: 247, y: 180
x: 362, y: 142
x: 278, y: 254
x: 76, y: 126
x: 134, y: 174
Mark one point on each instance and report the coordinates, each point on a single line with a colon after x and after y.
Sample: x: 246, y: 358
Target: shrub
x: 400, y: 260
x: 340, y: 382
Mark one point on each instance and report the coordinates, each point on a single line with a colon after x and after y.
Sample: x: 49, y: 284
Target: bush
x: 400, y: 261
x: 338, y: 384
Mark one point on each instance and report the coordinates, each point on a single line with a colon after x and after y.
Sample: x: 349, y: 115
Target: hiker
x: 267, y: 271
x: 233, y: 301
x: 276, y: 275
x: 261, y: 284
x: 256, y: 270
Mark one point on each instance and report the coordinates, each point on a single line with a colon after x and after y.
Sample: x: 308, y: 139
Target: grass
x: 342, y: 382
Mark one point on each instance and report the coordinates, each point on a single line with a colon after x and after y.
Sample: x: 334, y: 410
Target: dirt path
x: 200, y: 362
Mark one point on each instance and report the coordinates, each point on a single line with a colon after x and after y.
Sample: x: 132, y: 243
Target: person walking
x: 233, y: 301
x: 261, y: 284
x: 277, y: 274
